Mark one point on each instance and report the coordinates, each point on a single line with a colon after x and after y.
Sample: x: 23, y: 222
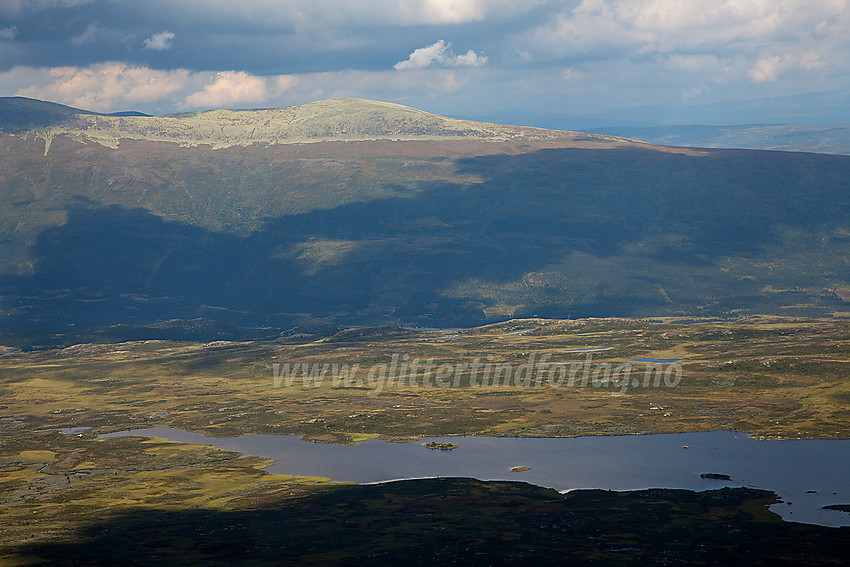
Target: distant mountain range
x: 817, y: 138
x: 786, y: 137
x: 346, y: 212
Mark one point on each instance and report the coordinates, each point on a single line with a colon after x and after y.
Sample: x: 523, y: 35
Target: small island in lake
x: 715, y: 476
x: 520, y: 469
x: 840, y: 507
x: 440, y: 446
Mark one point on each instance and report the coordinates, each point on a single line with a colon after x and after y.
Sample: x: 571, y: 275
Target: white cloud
x: 159, y: 41
x: 453, y: 11
x: 105, y: 86
x: 229, y: 88
x: 471, y: 59
x: 623, y: 28
x: 112, y: 86
x: 281, y: 83
x: 768, y: 69
x: 425, y: 56
x: 439, y: 54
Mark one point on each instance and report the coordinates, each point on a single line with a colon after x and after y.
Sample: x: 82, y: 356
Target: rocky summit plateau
x: 341, y: 119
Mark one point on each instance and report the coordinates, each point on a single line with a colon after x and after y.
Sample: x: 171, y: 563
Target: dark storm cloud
x: 257, y: 37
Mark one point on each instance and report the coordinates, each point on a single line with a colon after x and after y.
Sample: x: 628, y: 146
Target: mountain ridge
x: 445, y: 228
x: 339, y: 119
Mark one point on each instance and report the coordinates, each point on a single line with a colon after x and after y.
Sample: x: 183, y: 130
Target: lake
x: 807, y: 474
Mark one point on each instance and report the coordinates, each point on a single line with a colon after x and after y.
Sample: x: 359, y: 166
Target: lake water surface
x: 807, y: 473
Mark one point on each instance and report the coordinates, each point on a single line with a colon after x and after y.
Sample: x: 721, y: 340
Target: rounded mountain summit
x: 339, y: 119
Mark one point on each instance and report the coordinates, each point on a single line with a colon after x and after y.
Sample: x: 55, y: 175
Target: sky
x: 624, y: 61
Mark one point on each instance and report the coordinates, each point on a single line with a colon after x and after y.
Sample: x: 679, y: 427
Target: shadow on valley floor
x: 553, y: 233
x: 463, y: 522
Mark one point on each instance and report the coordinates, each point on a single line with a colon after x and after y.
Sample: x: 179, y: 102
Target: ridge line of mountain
x: 340, y: 119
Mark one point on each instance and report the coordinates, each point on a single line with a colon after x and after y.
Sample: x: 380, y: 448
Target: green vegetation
x: 774, y: 377
x: 777, y: 377
x: 462, y: 521
x: 440, y: 446
x: 52, y: 485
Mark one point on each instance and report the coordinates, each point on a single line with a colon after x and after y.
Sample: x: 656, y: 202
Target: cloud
x: 237, y: 87
x: 105, y: 86
x: 453, y: 11
x: 281, y: 84
x: 672, y: 25
x: 673, y: 46
x: 112, y: 86
x: 768, y: 69
x: 425, y: 56
x: 159, y: 41
x: 439, y: 54
x: 325, y: 14
x: 587, y: 55
x: 470, y: 59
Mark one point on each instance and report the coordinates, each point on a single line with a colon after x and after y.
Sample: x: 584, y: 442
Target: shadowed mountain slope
x: 439, y: 229
x: 19, y: 114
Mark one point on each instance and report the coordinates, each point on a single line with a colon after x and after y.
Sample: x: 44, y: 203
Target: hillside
x: 392, y: 215
x: 19, y: 114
